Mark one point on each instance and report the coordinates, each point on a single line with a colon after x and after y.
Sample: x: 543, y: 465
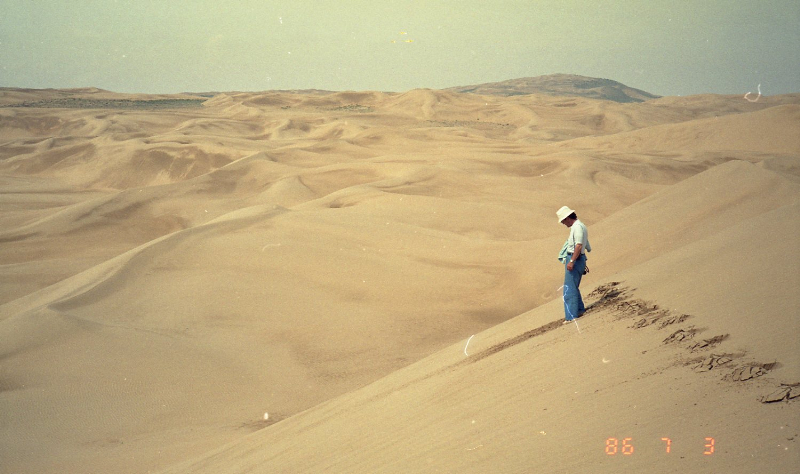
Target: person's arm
x: 575, y: 255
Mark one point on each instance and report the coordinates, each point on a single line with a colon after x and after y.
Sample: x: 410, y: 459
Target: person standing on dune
x: 573, y: 255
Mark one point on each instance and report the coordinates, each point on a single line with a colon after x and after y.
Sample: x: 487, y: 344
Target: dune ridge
x: 169, y: 275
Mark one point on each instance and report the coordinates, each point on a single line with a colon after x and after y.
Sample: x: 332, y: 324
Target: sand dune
x: 537, y: 394
x: 550, y: 397
x: 773, y: 130
x: 169, y: 275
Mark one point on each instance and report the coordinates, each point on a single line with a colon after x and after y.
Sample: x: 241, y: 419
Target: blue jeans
x: 573, y: 303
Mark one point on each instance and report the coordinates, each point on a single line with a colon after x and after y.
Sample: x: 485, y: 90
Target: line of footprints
x: 617, y: 298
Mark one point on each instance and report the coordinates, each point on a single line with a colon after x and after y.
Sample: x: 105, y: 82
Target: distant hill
x: 561, y: 85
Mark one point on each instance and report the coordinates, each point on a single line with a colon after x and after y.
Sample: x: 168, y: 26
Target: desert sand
x: 367, y: 282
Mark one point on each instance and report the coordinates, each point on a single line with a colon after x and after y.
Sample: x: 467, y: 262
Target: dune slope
x: 673, y: 354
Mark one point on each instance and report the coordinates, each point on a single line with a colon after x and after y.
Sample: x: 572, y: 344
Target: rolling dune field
x: 377, y: 272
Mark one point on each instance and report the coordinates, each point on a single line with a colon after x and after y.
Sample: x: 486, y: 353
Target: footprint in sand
x: 711, y: 363
x: 746, y: 373
x: 679, y: 336
x: 707, y: 343
x: 676, y: 319
x: 784, y: 392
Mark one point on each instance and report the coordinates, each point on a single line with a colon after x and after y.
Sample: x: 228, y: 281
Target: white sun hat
x: 563, y: 213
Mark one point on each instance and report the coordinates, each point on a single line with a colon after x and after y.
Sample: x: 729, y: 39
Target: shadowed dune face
x: 168, y: 275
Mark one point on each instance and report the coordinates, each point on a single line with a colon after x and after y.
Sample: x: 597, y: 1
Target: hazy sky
x: 667, y: 47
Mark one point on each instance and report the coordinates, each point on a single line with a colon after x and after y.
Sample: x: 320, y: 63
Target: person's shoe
x: 567, y: 321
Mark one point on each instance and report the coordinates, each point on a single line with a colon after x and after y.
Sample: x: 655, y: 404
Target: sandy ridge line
x: 78, y: 288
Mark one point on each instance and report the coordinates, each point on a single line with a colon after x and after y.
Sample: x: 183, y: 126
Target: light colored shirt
x: 578, y: 234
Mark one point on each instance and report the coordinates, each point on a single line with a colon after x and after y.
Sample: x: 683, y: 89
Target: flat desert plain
x: 367, y: 282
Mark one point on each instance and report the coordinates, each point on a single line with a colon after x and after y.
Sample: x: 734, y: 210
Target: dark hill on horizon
x: 568, y: 85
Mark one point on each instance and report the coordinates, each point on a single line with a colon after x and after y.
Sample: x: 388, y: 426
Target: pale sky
x: 666, y: 47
